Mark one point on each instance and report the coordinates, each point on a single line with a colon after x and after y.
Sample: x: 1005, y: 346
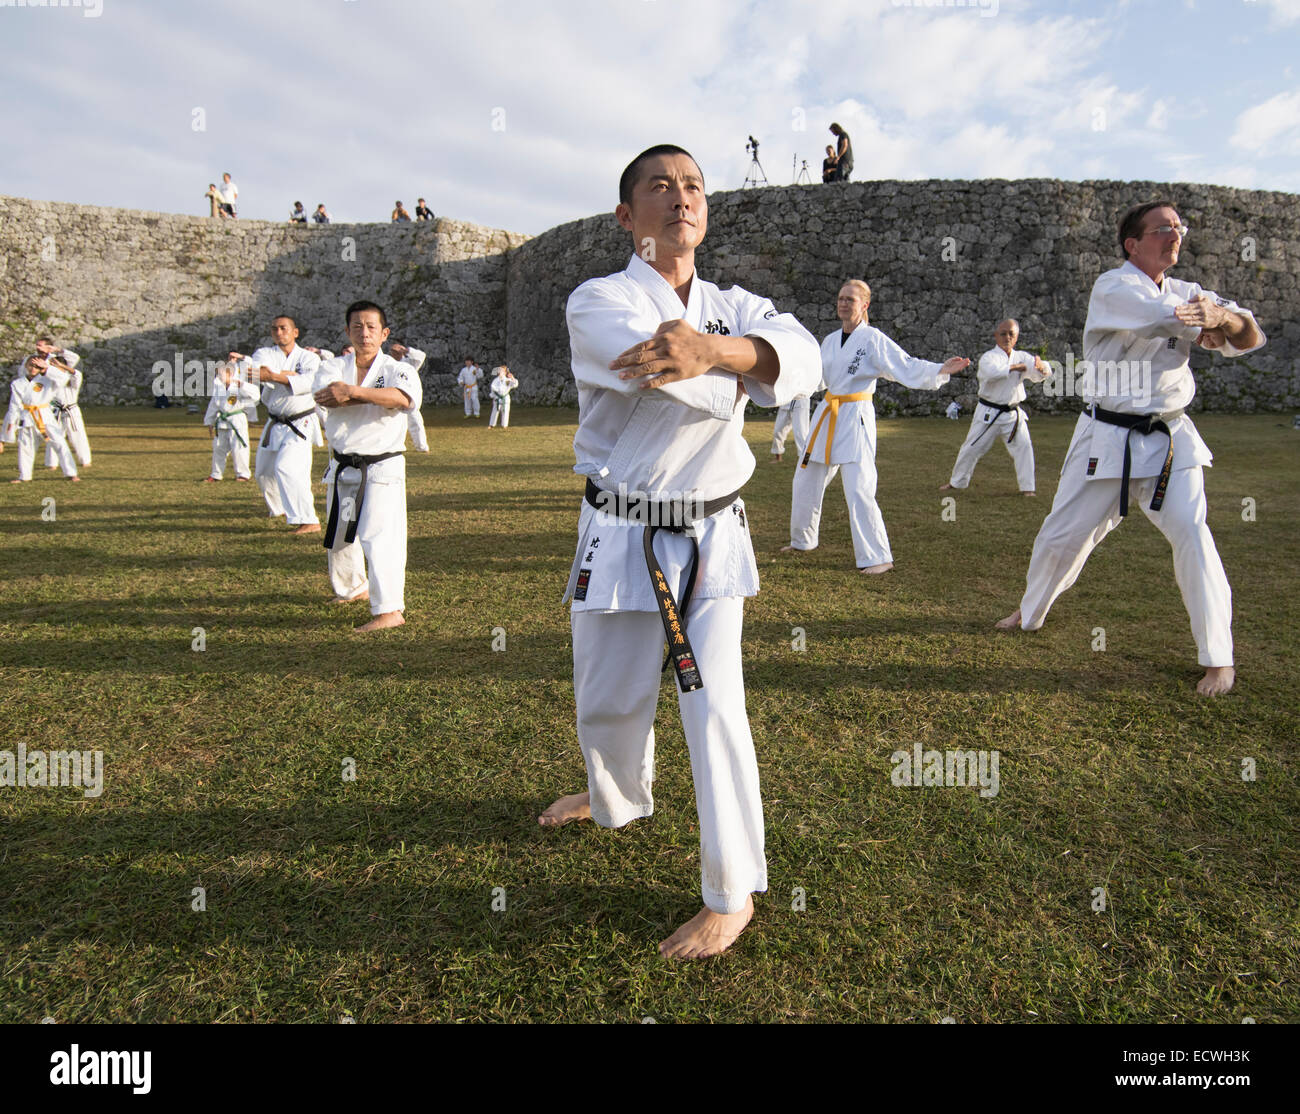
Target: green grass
x: 373, y: 898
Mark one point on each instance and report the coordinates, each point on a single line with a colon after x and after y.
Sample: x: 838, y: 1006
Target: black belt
x: 362, y: 465
x: 288, y: 420
x: 1001, y: 410
x: 1137, y: 423
x: 671, y: 517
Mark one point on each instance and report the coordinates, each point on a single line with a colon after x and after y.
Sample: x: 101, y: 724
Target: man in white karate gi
x: 792, y: 416
x: 469, y: 378
x: 30, y: 417
x: 65, y: 405
x: 227, y: 415
x: 844, y: 429
x: 415, y: 420
x: 503, y: 382
x: 367, y: 396
x: 283, y: 464
x: 1003, y: 373
x: 664, y: 362
x: 1134, y: 443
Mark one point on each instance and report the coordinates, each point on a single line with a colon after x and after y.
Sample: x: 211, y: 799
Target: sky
x: 520, y: 115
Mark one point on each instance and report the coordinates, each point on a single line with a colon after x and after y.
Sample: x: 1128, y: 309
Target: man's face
x: 35, y: 366
x: 44, y: 347
x: 850, y: 305
x: 366, y: 332
x: 668, y: 207
x: 284, y: 332
x: 1153, y: 252
x: 225, y: 178
x: 1006, y: 336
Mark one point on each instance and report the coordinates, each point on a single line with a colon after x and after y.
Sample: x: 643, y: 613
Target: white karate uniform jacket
x: 675, y: 441
x: 228, y: 406
x: 854, y: 367
x: 278, y: 399
x: 1131, y: 319
x: 38, y: 392
x: 998, y: 383
x: 414, y: 422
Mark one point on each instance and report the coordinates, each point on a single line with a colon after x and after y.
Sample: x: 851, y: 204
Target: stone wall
x: 945, y: 260
x: 128, y: 289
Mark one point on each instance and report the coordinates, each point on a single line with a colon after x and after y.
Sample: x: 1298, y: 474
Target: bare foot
x: 382, y: 622
x: 707, y: 933
x: 1218, y: 679
x: 947, y: 487
x: 776, y: 459
x: 364, y: 594
x: 210, y: 479
x: 17, y: 481
x: 308, y: 528
x: 1029, y: 494
x: 74, y: 479
x: 877, y: 569
x: 566, y: 810
x: 792, y: 549
x: 1011, y: 622
x: 242, y: 479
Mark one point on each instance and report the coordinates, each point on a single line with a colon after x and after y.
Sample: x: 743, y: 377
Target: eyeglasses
x: 1165, y: 229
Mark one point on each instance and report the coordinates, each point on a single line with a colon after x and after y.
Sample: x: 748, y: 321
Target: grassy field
x: 373, y: 898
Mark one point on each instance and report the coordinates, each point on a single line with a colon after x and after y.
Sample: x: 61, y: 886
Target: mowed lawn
x: 374, y: 898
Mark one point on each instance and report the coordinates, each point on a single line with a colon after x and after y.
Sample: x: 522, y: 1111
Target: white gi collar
x: 1129, y: 265
x: 664, y: 297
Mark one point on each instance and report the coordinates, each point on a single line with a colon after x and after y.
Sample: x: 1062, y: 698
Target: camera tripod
x: 756, y: 176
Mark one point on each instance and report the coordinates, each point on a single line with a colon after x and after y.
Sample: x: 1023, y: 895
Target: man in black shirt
x: 843, y: 153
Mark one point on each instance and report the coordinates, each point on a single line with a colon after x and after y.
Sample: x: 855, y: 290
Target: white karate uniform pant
x: 415, y: 429
x: 793, y: 415
x: 284, y: 475
x: 380, y: 543
x: 867, y: 525
x: 616, y: 661
x: 226, y: 444
x: 471, y: 403
x: 74, y: 433
x: 980, y: 439
x: 26, y: 439
x: 501, y: 408
x: 1085, y: 511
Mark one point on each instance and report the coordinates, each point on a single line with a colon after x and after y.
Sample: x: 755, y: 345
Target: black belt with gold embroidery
x: 1138, y: 423
x: 361, y: 464
x: 673, y: 518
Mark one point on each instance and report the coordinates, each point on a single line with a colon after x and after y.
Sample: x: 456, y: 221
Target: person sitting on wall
x: 399, y: 213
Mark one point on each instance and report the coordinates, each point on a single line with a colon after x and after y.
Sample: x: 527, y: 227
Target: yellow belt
x: 833, y: 409
x: 35, y: 412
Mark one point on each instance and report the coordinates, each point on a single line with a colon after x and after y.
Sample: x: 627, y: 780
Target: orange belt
x: 35, y: 412
x: 833, y: 409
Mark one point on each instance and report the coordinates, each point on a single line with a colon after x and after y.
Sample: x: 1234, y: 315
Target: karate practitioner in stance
x: 30, y: 416
x: 503, y: 382
x: 228, y: 416
x: 368, y: 397
x: 663, y: 362
x: 283, y: 465
x: 844, y: 432
x: 792, y: 416
x: 415, y: 420
x: 468, y: 379
x: 65, y: 406
x: 1135, y: 444
x: 1003, y: 373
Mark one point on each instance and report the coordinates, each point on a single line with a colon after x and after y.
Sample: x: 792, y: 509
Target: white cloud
x: 1270, y: 128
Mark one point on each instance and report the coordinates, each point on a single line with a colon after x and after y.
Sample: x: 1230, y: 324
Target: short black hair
x: 628, y: 179
x: 1130, y: 224
x: 45, y: 340
x: 361, y: 307
x: 286, y: 317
